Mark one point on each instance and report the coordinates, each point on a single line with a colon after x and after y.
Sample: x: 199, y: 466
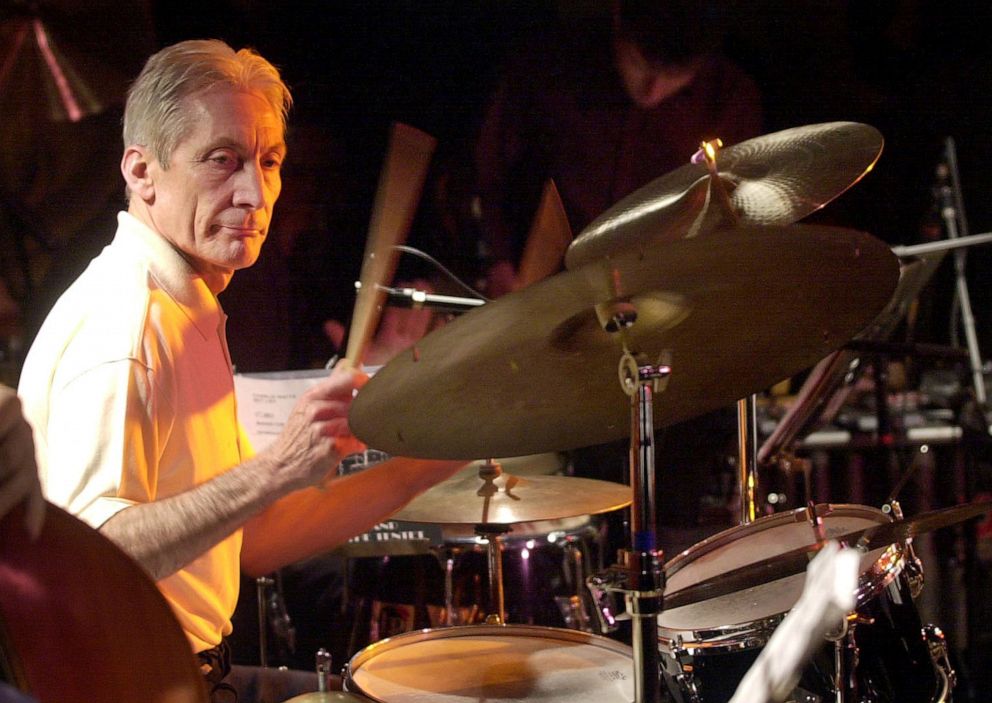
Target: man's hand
x: 18, y: 472
x: 316, y: 436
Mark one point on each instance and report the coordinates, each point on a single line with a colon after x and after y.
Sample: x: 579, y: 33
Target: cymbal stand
x: 494, y: 558
x: 640, y: 576
x: 747, y: 408
x: 747, y: 468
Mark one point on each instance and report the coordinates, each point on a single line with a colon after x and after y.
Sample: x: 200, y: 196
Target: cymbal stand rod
x: 645, y: 576
x: 494, y: 557
x: 747, y: 468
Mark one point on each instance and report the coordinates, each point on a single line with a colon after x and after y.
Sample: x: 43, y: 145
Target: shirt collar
x: 173, y: 273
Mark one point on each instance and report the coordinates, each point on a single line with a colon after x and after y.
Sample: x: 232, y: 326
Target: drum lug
x: 913, y: 571
x: 685, y: 679
x: 608, y: 605
x: 937, y: 644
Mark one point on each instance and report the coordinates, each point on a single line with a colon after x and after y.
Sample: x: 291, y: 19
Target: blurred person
x: 603, y: 108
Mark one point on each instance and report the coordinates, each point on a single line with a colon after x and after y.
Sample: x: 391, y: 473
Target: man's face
x: 649, y: 84
x: 214, y: 202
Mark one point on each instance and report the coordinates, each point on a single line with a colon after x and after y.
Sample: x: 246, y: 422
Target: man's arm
x: 313, y: 521
x: 165, y: 535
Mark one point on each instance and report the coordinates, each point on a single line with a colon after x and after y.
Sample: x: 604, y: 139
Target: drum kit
x: 674, y: 303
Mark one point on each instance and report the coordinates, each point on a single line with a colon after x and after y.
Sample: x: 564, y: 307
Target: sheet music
x: 265, y: 401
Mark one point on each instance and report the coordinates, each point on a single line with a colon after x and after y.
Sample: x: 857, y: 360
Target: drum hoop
x: 718, y: 640
x: 509, y: 630
x: 732, y: 534
x: 746, y: 635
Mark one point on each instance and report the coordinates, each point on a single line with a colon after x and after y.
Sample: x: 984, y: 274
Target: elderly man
x: 129, y: 385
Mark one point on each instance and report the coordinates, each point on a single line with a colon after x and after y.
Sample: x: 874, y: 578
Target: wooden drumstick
x: 400, y: 185
x: 549, y: 237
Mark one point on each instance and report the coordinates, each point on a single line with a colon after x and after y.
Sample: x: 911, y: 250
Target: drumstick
x: 549, y: 237
x: 400, y: 185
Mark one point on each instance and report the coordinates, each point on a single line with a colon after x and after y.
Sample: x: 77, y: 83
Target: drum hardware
x: 494, y: 559
x: 324, y: 694
x: 747, y: 408
x: 937, y: 643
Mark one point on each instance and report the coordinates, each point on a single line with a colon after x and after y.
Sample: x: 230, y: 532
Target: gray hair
x: 155, y: 116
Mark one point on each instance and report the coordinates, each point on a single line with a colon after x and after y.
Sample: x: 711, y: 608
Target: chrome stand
x: 747, y: 436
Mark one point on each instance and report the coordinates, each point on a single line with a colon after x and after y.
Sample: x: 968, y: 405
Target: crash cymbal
x: 534, y: 371
x: 775, y: 179
x: 468, y: 498
x: 795, y: 561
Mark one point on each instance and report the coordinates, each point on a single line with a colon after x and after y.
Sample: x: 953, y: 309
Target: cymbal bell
x: 470, y: 498
x: 774, y: 179
x: 535, y: 371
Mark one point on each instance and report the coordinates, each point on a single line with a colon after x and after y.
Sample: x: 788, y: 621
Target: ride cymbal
x: 775, y: 179
x: 535, y: 371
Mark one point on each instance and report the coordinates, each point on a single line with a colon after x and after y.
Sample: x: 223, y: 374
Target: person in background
x: 602, y: 108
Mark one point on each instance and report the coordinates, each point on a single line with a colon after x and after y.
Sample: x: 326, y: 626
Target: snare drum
x: 495, y: 664
x: 707, y: 647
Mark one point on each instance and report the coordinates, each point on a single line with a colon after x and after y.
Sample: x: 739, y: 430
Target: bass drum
x: 495, y: 664
x: 707, y: 647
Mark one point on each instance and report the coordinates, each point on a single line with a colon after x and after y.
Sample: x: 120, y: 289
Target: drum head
x: 746, y: 544
x: 494, y: 664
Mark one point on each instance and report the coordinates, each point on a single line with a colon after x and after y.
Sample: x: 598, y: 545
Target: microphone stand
x: 952, y: 212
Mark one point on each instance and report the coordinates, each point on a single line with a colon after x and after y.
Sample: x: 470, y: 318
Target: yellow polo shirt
x: 129, y: 389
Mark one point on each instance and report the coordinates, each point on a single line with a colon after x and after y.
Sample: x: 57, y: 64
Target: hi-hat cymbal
x: 795, y: 561
x: 534, y: 371
x: 467, y: 498
x: 775, y: 179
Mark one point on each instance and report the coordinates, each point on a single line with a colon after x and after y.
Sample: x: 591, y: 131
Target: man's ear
x: 135, y: 168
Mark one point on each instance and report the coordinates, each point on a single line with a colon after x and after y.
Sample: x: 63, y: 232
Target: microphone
x: 419, y: 299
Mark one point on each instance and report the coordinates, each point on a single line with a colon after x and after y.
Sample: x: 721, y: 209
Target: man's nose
x: 250, y: 188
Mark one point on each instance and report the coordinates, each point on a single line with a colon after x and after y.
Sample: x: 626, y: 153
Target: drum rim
x: 681, y: 560
x: 480, y: 630
x: 747, y: 634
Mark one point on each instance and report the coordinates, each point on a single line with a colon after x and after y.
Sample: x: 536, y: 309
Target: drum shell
x: 708, y: 647
x: 543, y: 563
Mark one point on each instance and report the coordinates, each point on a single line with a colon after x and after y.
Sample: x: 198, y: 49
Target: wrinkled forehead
x: 228, y: 114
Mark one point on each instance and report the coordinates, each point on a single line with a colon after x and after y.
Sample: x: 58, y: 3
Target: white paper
x: 265, y: 401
